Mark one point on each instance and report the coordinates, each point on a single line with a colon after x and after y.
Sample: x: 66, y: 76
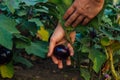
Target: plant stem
x: 110, y: 52
x: 78, y: 61
x: 67, y: 32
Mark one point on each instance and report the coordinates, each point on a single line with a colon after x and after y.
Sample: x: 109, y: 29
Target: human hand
x: 82, y: 11
x: 57, y: 38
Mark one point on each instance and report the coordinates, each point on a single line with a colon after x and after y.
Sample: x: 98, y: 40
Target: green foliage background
x: 98, y: 42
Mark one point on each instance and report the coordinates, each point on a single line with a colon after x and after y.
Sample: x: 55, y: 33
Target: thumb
x: 51, y: 47
x: 72, y: 36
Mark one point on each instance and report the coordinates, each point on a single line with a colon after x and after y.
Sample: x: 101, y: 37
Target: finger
x: 86, y: 20
x: 78, y: 21
x: 58, y: 33
x: 51, y: 47
x: 60, y: 64
x: 61, y: 42
x: 70, y: 49
x: 68, y: 12
x: 72, y: 18
x: 54, y: 59
x: 72, y: 36
x: 68, y: 61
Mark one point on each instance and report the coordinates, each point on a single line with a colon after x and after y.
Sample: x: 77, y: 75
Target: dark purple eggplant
x: 61, y: 52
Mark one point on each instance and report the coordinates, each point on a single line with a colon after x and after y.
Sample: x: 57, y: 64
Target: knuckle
x: 80, y: 10
x: 52, y: 39
x: 77, y: 12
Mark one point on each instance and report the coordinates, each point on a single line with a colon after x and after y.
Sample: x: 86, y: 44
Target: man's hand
x: 57, y: 38
x: 82, y: 11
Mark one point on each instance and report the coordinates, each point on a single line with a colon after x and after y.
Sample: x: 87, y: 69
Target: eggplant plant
x: 25, y: 27
x: 97, y: 42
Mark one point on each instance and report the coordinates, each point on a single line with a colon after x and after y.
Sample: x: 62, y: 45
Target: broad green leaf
x: 107, y: 33
x: 7, y: 71
x: 12, y: 4
x: 33, y: 2
x: 21, y: 13
x: 7, y: 29
x: 39, y: 48
x: 21, y: 41
x: 20, y: 44
x: 43, y: 34
x: 85, y: 73
x: 37, y: 21
x: 8, y: 24
x: 84, y: 49
x: 6, y: 39
x: 29, y: 27
x: 43, y: 10
x: 115, y: 28
x: 97, y: 58
x: 107, y: 20
x: 19, y: 59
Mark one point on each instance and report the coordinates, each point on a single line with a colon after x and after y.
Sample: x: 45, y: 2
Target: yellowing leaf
x: 7, y: 71
x: 105, y: 41
x: 119, y: 21
x: 43, y: 34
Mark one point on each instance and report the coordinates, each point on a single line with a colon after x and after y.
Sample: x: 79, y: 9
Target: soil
x: 45, y: 69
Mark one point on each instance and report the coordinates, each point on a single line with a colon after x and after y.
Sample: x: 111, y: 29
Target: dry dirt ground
x: 45, y: 69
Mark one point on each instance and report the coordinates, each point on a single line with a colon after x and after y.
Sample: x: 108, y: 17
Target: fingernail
x: 48, y: 54
x: 71, y: 54
x: 60, y: 67
x: 69, y: 63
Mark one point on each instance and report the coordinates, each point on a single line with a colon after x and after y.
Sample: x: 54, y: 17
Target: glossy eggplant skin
x: 5, y: 55
x: 61, y: 52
